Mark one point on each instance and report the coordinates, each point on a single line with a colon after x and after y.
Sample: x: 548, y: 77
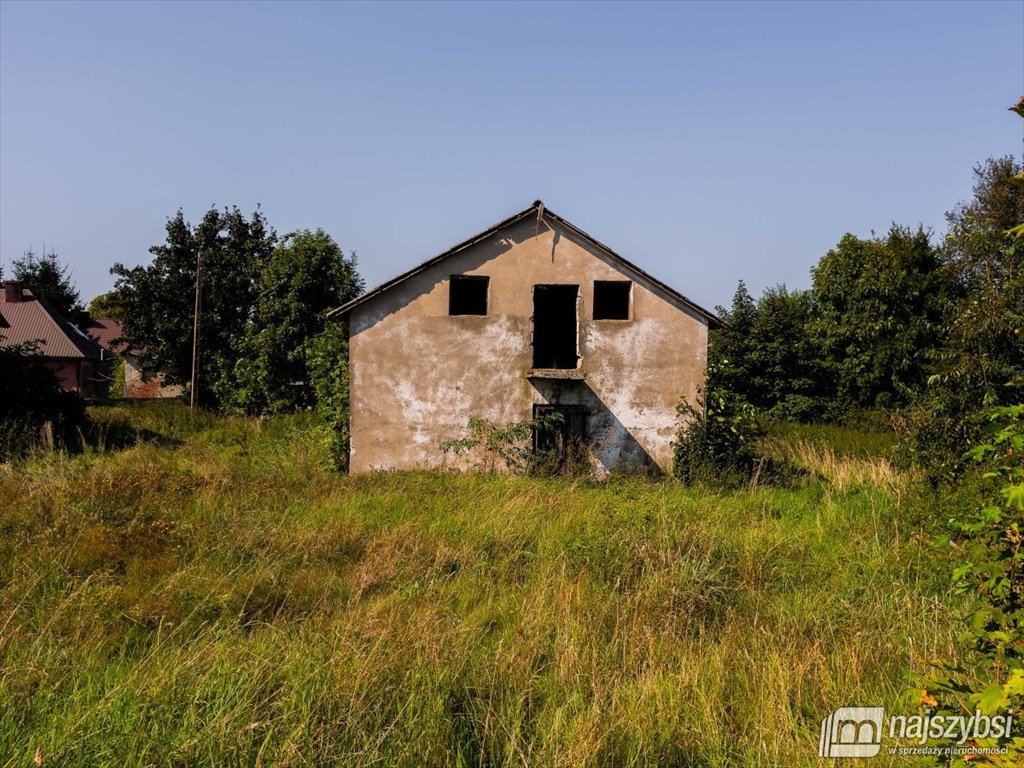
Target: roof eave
x: 713, y: 320
x: 344, y: 308
x: 537, y: 207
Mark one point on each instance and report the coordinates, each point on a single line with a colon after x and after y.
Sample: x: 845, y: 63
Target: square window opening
x: 554, y: 326
x: 467, y: 295
x: 611, y: 299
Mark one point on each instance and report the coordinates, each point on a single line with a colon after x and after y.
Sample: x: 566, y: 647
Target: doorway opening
x: 559, y: 440
x: 554, y: 326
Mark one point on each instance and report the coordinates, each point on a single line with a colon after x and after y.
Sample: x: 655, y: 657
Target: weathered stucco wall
x: 418, y: 375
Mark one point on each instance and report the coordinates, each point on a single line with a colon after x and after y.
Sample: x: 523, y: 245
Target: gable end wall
x: 418, y: 375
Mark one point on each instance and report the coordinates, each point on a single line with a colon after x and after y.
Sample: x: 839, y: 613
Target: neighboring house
x: 78, y: 362
x: 530, y: 317
x: 142, y: 379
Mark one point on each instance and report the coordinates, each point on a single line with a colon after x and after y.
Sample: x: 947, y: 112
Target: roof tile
x: 32, y: 320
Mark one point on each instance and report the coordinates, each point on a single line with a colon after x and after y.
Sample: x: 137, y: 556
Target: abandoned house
x: 530, y: 317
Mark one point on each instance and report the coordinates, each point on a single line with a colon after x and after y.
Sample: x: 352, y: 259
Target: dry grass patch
x: 219, y: 613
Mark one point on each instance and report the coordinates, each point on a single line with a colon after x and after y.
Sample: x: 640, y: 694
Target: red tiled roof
x: 105, y: 331
x: 31, y: 320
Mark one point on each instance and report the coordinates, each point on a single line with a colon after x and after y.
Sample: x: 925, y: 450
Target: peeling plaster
x: 418, y: 375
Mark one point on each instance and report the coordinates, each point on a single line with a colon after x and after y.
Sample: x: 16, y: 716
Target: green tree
x: 729, y: 348
x: 983, y: 323
x: 787, y: 371
x: 307, y: 275
x: 765, y: 355
x: 158, y: 299
x: 49, y: 279
x: 984, y: 265
x: 107, y: 305
x: 877, y: 306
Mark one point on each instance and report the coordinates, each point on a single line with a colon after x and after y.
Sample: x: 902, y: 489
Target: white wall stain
x: 418, y: 375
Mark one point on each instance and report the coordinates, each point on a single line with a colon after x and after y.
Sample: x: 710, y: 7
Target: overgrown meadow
x: 205, y: 591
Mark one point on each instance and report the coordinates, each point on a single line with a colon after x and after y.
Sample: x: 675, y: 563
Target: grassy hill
x: 214, y: 595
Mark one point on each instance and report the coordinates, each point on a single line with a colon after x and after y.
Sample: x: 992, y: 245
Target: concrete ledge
x: 573, y: 374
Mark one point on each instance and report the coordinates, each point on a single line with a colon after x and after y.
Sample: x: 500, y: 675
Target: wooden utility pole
x: 195, y: 330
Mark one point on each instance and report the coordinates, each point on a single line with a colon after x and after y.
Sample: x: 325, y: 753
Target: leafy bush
x: 989, y: 541
x: 327, y: 362
x: 34, y: 410
x: 717, y: 438
x: 937, y: 428
x: 720, y: 442
x: 117, y: 378
x: 510, y: 447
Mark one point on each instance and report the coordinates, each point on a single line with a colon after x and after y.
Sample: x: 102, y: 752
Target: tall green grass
x: 868, y: 438
x: 211, y: 594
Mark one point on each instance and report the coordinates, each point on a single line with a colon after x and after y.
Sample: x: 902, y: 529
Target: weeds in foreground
x: 229, y: 600
x: 513, y: 447
x: 838, y: 470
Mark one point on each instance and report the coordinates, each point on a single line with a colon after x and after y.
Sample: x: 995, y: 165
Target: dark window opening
x: 611, y: 299
x: 562, y: 437
x: 554, y: 326
x: 467, y: 295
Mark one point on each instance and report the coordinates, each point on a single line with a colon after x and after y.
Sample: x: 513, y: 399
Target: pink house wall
x: 66, y: 372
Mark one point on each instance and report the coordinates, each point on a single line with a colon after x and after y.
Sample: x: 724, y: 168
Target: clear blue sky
x: 707, y: 142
